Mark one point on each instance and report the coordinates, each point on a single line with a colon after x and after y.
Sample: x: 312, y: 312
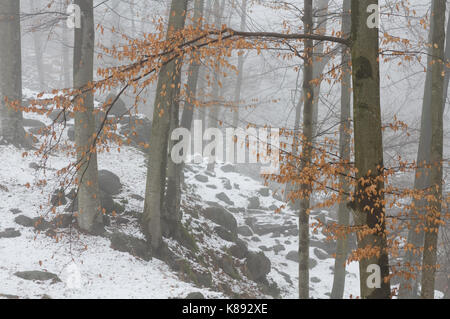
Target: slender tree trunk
x: 157, y: 158
x: 215, y: 108
x: 89, y: 214
x: 319, y: 65
x: 368, y: 152
x: 11, y: 127
x: 344, y: 151
x: 308, y: 93
x: 240, y: 76
x: 38, y: 53
x: 193, y: 73
x: 437, y: 102
x: 409, y: 287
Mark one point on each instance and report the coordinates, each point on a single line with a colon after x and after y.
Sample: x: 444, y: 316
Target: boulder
x: 245, y: 231
x: 321, y: 254
x: 119, y: 108
x: 258, y: 266
x: 253, y: 203
x: 226, y: 263
x: 10, y: 233
x: 195, y: 295
x: 33, y: 123
x: 201, y: 178
x: 138, y: 130
x: 37, y: 276
x: 264, y: 192
x: 224, y: 198
x: 224, y: 234
x: 240, y: 250
x: 222, y: 217
x: 58, y: 198
x: 132, y: 245
x: 109, y: 182
x: 293, y: 256
x: 228, y: 168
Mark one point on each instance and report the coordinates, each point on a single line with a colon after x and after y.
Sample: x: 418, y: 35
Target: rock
x: 6, y: 296
x: 58, y: 198
x: 59, y: 116
x: 256, y: 239
x: 228, y: 168
x: 327, y: 246
x: 253, y: 203
x: 293, y: 256
x: 245, y: 231
x: 138, y: 133
x: 226, y: 263
x: 24, y: 221
x: 278, y: 248
x: 211, y: 186
x: 201, y: 178
x: 315, y: 280
x: 224, y: 198
x: 33, y: 123
x: 258, y: 266
x: 224, y: 234
x: 37, y: 275
x: 264, y: 248
x: 264, y: 192
x: 240, y: 250
x: 222, y: 217
x: 109, y: 182
x: 264, y: 229
x: 10, y: 233
x: 312, y: 263
x: 137, y: 197
x: 15, y: 211
x: 38, y: 223
x: 119, y: 108
x: 321, y: 254
x: 63, y: 221
x: 132, y: 245
x: 236, y: 186
x: 107, y: 202
x: 195, y: 295
x: 226, y: 184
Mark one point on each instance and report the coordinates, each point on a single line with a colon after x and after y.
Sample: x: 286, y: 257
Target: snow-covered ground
x: 107, y: 273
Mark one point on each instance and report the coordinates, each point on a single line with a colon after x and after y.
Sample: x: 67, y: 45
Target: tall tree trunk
x: 344, y: 151
x: 38, y: 53
x: 89, y: 215
x: 11, y: 122
x: 193, y: 73
x: 215, y: 108
x: 157, y: 158
x: 308, y: 93
x: 409, y: 287
x: 368, y: 152
x: 240, y: 76
x: 437, y: 102
x: 321, y: 27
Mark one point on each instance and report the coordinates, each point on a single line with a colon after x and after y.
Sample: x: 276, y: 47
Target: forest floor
x: 104, y: 272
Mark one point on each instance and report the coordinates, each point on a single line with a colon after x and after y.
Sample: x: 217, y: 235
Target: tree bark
x: 308, y: 93
x: 157, y: 158
x: 89, y: 215
x: 368, y: 151
x: 344, y: 151
x: 433, y: 213
x: 240, y: 75
x: 409, y: 287
x: 11, y: 121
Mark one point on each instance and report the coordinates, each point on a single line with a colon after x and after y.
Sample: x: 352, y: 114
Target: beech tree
x: 368, y: 202
x: 89, y: 212
x: 11, y: 123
